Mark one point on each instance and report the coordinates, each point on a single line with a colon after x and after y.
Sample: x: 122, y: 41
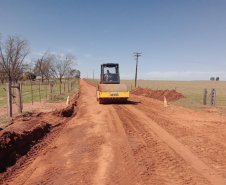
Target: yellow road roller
x: 109, y: 90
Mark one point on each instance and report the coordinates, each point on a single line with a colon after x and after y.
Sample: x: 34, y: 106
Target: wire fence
x: 37, y: 91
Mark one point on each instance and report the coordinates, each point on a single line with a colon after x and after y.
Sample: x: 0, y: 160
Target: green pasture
x: 192, y: 90
x: 28, y: 89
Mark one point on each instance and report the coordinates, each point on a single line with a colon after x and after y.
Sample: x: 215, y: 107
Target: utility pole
x: 87, y: 75
x: 136, y: 54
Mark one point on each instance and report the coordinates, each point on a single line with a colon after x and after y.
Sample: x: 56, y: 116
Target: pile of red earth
x: 26, y: 130
x: 158, y: 94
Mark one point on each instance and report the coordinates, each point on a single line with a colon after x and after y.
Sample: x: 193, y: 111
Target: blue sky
x: 179, y: 39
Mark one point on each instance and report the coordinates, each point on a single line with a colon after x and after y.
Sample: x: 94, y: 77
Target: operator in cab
x: 107, y: 76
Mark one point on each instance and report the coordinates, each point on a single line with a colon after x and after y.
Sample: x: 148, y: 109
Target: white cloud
x: 177, y: 75
x: 52, y: 52
x: 182, y: 73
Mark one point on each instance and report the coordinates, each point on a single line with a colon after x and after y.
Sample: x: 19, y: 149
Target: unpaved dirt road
x: 136, y: 143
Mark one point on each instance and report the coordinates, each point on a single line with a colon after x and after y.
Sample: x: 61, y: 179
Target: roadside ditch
x: 26, y: 131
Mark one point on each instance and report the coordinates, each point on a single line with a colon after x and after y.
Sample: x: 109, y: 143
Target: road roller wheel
x: 101, y: 100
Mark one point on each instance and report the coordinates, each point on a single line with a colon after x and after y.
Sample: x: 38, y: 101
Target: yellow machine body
x: 112, y: 93
x: 110, y: 90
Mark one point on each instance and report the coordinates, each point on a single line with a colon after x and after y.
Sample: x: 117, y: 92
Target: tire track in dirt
x: 125, y: 171
x: 210, y: 173
x: 122, y: 168
x: 23, y: 169
x: 119, y: 144
x: 202, y: 133
x: 160, y: 164
x: 92, y: 148
x: 74, y: 158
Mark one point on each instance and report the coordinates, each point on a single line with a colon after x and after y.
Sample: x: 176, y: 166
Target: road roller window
x: 111, y: 74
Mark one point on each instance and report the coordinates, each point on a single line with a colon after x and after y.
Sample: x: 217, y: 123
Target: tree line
x: 14, y: 68
x: 212, y: 79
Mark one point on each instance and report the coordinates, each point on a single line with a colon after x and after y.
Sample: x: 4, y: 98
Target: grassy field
x: 44, y: 91
x: 192, y: 90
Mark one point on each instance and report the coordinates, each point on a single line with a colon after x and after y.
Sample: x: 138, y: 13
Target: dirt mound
x: 70, y: 110
x: 14, y: 145
x: 26, y: 130
x: 158, y: 94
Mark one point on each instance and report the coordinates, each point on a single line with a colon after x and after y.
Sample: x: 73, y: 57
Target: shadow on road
x: 121, y: 103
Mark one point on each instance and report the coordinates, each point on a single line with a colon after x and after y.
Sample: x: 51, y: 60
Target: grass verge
x: 28, y: 90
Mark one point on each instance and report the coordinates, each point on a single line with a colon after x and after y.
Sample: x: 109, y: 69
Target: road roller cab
x: 110, y: 90
x: 109, y: 74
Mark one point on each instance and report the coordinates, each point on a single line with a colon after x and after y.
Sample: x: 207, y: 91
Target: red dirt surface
x: 37, y: 107
x: 158, y: 94
x: 25, y: 130
x: 141, y: 142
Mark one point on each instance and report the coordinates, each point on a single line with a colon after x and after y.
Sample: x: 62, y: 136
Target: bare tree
x: 2, y: 76
x: 48, y: 66
x: 73, y: 73
x: 67, y: 75
x: 12, y: 54
x: 19, y: 74
x: 40, y: 67
x: 62, y: 65
x: 70, y: 73
x: 77, y: 74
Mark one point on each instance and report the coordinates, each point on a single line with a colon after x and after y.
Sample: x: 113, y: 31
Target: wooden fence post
x: 68, y: 87
x: 64, y: 87
x: 13, y: 94
x: 175, y: 88
x: 39, y: 92
x: 213, y: 97
x: 60, y: 88
x: 204, y: 96
x: 9, y: 99
x: 46, y: 90
x: 18, y: 99
x: 131, y: 87
x: 21, y: 95
x: 31, y: 95
x: 50, y: 91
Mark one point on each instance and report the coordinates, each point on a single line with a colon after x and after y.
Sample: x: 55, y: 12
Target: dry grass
x: 192, y: 90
